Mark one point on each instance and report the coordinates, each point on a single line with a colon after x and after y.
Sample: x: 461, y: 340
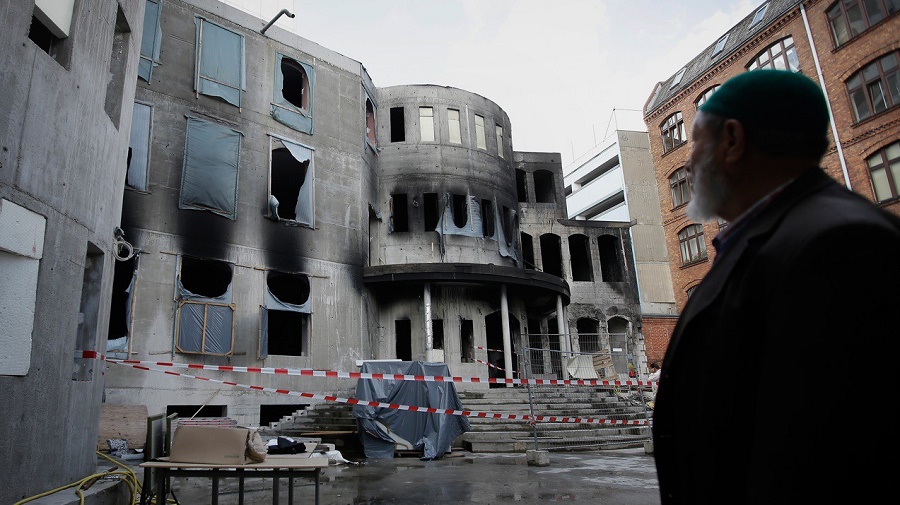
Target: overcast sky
x: 558, y: 68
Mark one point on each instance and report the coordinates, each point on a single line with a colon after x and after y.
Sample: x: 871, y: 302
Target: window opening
x: 521, y: 186
x: 150, y: 40
x: 467, y: 341
x: 403, y: 332
x: 219, y: 62
x: 431, y: 211
x: 580, y: 255
x: 189, y: 411
x: 398, y: 128
x: 480, y: 141
x: 291, y: 180
x: 551, y: 255
x: 781, y: 55
x: 499, y: 132
x: 453, y: 126
x: 205, y: 315
x: 544, y: 189
x: 120, y: 315
x: 117, y: 61
x: 611, y: 268
x: 50, y: 29
x: 692, y: 243
x: 528, y: 251
x: 286, y: 315
x: 437, y: 334
x: 88, y: 314
x: 588, y: 334
x: 399, y: 213
x: 209, y: 178
x: 370, y: 122
x: 426, y: 124
x: 460, y: 210
x: 673, y: 132
x: 138, y: 161
x: 849, y: 18
x: 292, y: 100
x: 295, y: 83
x: 680, y: 188
x: 884, y: 169
x: 487, y: 218
x: 508, y: 222
x: 876, y: 87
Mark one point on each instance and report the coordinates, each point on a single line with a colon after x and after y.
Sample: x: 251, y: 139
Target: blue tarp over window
x: 209, y: 179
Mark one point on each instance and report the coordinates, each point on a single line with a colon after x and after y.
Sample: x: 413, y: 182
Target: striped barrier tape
x: 410, y: 408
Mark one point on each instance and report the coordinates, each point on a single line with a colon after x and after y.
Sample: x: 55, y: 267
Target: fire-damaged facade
x: 282, y: 211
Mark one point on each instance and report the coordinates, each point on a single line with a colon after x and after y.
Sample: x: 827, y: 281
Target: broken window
x: 285, y: 318
x: 121, y: 304
x: 480, y: 141
x: 437, y: 332
x: 219, y: 61
x: 398, y: 128
x: 508, y: 227
x: 453, y: 126
x: 138, y: 161
x: 209, y: 179
x: 487, y: 218
x: 205, y: 314
x: 117, y: 60
x: 403, y: 343
x: 431, y: 211
x: 611, y: 269
x: 527, y: 251
x: 291, y: 179
x: 461, y: 216
x: 150, y: 40
x: 466, y: 341
x: 580, y: 256
x: 460, y: 210
x: 20, y: 261
x: 544, y: 189
x: 51, y: 24
x: 426, y: 124
x: 370, y: 122
x: 551, y: 255
x: 292, y: 104
x: 399, y: 213
x: 88, y: 314
x: 521, y: 186
x: 499, y: 132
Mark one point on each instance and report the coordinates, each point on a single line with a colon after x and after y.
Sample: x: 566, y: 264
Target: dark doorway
x: 403, y: 333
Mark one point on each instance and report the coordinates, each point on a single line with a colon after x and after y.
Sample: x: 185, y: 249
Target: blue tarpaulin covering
x: 432, y: 433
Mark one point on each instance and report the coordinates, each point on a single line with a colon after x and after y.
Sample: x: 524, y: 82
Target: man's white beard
x: 709, y: 190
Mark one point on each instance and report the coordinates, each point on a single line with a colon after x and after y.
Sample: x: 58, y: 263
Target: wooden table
x: 275, y: 466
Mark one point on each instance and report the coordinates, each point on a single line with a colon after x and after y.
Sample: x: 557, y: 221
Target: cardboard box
x: 209, y: 444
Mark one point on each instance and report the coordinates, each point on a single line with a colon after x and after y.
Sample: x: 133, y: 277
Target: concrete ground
x: 618, y: 476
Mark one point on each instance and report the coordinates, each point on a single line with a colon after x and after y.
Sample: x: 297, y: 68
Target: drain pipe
x: 270, y: 23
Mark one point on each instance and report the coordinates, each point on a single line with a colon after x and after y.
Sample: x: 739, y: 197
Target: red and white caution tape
x: 410, y: 408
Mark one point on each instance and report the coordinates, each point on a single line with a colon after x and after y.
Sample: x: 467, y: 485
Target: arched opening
x: 551, y: 254
x: 580, y: 256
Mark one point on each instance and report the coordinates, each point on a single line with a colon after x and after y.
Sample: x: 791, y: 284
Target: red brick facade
x: 657, y: 331
x: 838, y: 64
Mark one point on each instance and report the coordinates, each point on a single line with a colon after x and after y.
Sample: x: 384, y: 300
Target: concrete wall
x: 69, y: 184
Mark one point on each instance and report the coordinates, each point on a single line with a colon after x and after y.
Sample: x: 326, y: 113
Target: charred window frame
x: 399, y: 213
x: 692, y: 244
x: 580, y: 258
x: 291, y: 183
x: 219, y: 68
x: 460, y: 210
x: 487, y: 218
x: 205, y: 310
x: 454, y: 127
x: 121, y: 309
x: 371, y: 140
x: 292, y: 102
x: 544, y: 186
x: 51, y: 25
x: 551, y: 254
x: 680, y: 188
x: 150, y: 40
x: 884, y: 170
x: 781, y: 55
x: 672, y: 132
x: 849, y: 18
x: 431, y: 211
x: 875, y: 88
x: 527, y: 251
x: 209, y: 178
x: 426, y: 124
x: 138, y: 161
x: 398, y: 125
x: 612, y: 268
x: 286, y: 318
x: 521, y: 186
x: 480, y: 141
x: 437, y: 333
x: 466, y: 341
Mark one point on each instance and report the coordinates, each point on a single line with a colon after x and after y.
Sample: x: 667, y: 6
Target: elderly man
x: 801, y: 302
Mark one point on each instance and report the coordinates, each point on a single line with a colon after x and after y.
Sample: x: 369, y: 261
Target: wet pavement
x: 616, y: 476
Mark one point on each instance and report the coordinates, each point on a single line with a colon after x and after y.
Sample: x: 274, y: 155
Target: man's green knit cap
x: 772, y: 99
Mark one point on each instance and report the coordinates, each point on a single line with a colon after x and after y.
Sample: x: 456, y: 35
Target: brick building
x: 849, y: 47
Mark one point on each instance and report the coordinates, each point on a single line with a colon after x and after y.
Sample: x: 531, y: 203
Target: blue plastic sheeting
x: 220, y: 59
x: 209, y: 179
x: 432, y: 433
x: 150, y: 41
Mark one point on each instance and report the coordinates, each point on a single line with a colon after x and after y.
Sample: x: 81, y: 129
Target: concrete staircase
x: 331, y: 422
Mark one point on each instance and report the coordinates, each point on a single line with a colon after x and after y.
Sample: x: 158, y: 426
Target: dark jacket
x: 775, y: 383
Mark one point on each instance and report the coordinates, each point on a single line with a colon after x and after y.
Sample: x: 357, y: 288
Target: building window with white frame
x: 781, y: 55
x: 453, y: 126
x: 480, y: 141
x: 426, y: 123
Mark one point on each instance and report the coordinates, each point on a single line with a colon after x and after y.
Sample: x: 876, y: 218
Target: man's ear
x: 734, y: 140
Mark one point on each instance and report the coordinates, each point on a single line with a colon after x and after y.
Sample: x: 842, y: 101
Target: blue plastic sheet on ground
x: 432, y: 433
